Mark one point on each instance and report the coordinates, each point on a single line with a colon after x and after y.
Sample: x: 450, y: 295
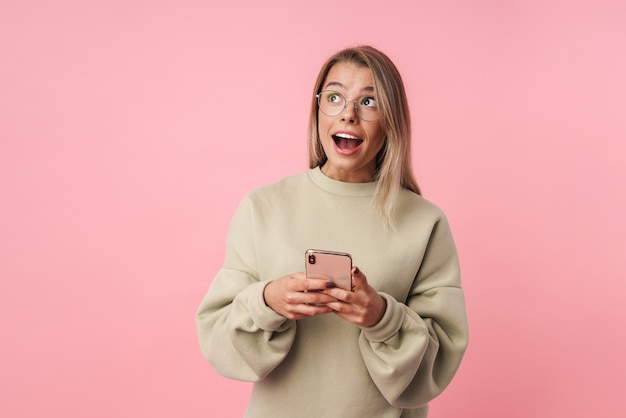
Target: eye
x: 368, y: 101
x: 333, y: 97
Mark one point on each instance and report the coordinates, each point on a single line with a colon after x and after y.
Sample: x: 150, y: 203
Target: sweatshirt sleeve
x: 239, y: 334
x: 416, y: 348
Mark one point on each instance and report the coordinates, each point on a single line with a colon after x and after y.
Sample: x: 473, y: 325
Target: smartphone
x: 330, y: 265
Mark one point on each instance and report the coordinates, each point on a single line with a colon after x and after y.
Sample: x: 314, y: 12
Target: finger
x: 344, y: 296
x: 312, y: 309
x: 310, y: 284
x: 318, y: 298
x: 304, y: 310
x: 359, y: 281
x: 340, y: 307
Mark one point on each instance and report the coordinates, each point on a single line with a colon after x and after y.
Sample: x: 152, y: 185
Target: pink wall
x: 130, y: 130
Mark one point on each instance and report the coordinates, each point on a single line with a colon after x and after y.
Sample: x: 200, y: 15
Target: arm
x: 239, y: 335
x: 413, y: 352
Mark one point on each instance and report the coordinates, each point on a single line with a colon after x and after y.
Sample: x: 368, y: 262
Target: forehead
x: 349, y: 77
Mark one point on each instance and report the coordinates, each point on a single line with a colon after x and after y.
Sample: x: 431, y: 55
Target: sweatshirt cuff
x: 262, y: 315
x: 389, y: 324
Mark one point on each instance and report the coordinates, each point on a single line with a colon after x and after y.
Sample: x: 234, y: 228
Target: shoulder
x: 284, y: 184
x: 415, y: 212
x: 413, y: 203
x: 280, y: 189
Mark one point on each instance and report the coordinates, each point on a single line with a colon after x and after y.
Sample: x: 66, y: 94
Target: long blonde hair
x: 393, y: 163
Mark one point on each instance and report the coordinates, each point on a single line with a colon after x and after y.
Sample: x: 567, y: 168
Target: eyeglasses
x: 332, y: 103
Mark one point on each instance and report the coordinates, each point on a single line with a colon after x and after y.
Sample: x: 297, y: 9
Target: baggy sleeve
x: 239, y: 334
x: 414, y: 351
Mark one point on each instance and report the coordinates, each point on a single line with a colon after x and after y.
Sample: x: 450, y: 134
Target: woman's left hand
x: 363, y: 306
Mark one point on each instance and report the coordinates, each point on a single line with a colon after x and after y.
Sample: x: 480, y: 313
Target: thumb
x: 359, y: 281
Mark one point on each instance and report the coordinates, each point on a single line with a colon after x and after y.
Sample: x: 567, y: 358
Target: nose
x: 349, y: 112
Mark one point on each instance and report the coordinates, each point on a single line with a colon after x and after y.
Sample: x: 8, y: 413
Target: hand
x: 295, y: 296
x: 363, y: 306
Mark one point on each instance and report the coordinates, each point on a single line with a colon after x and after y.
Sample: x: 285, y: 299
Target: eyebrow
x: 368, y: 89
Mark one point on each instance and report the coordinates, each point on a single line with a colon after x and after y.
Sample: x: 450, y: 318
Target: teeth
x: 346, y: 136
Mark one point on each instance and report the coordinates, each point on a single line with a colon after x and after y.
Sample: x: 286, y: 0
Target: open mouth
x: 347, y: 142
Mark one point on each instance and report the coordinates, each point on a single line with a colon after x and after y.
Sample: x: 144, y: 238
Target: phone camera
x: 311, y: 258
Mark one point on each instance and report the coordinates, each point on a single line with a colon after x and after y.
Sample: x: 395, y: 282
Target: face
x: 350, y: 143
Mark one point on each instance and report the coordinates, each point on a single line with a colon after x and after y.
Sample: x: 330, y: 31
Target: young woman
x: 393, y: 342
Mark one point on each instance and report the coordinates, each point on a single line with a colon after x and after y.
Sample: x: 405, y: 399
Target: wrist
x: 382, y: 310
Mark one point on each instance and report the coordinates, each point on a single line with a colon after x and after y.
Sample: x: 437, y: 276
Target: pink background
x: 130, y: 130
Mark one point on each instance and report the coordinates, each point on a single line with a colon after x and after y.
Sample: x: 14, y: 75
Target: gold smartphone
x: 330, y: 265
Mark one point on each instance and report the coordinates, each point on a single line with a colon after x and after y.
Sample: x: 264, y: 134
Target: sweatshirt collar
x: 340, y: 187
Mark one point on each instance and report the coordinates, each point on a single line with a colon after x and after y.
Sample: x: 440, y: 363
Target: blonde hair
x: 393, y: 163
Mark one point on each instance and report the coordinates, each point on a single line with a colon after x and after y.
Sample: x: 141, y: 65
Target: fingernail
x: 330, y: 285
x: 357, y: 271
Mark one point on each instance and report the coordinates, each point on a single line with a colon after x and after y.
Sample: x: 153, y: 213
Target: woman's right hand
x: 295, y: 296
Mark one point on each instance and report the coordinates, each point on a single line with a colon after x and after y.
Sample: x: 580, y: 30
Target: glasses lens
x: 368, y: 108
x: 331, y: 103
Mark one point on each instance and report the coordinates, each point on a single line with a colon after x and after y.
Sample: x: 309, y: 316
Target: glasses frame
x: 345, y: 104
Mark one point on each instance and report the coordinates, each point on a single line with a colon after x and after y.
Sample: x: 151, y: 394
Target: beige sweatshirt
x: 324, y: 366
